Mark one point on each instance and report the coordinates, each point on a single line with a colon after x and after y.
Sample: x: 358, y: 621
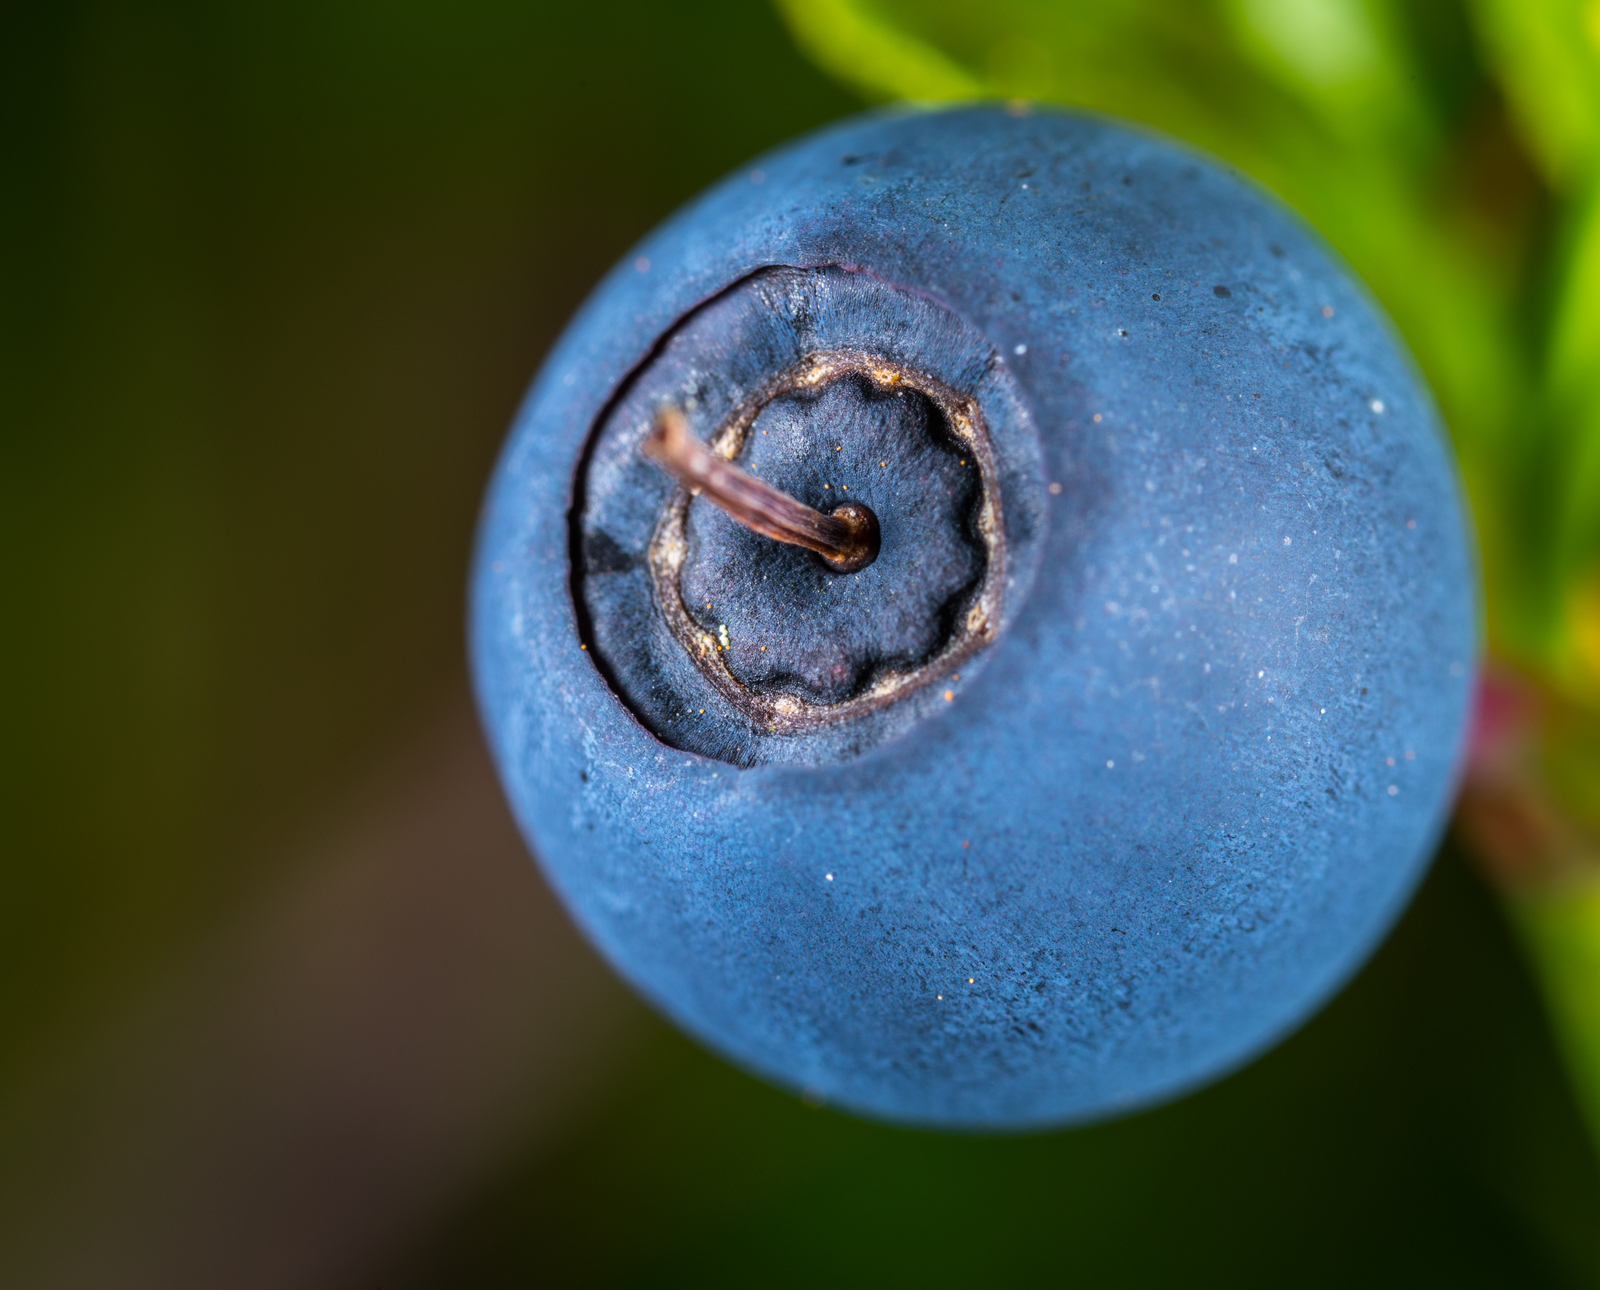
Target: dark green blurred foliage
x: 274, y: 278
x: 1418, y: 1132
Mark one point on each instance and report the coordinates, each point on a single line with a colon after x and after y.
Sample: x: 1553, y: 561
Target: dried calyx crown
x: 748, y: 612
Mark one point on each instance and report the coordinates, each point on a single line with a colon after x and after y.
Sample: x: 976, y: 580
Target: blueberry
x: 1137, y: 732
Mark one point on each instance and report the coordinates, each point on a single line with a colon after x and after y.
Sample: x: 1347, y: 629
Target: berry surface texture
x: 1140, y: 730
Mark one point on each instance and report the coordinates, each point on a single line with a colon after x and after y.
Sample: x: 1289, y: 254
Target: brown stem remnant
x: 847, y: 539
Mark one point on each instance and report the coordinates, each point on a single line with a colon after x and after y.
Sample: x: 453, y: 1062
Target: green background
x: 274, y: 280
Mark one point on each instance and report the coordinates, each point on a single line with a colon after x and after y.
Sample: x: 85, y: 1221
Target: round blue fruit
x: 1138, y: 733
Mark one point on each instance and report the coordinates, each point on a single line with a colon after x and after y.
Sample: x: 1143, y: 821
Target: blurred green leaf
x: 1570, y: 454
x: 1546, y: 55
x: 874, y: 54
x: 1562, y: 930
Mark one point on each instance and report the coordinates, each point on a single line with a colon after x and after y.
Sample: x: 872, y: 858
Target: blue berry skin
x: 1180, y: 797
